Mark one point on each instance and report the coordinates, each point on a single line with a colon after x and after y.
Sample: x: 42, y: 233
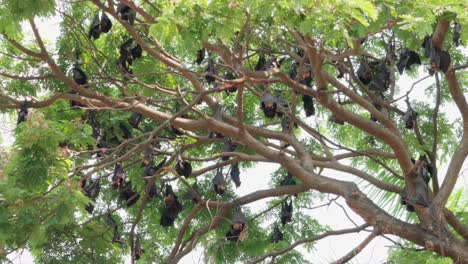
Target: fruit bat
x: 281, y: 104
x: 127, y: 134
x: 305, y: 74
x: 381, y: 78
x: 268, y: 104
x: 364, y: 72
x: 456, y: 34
x: 193, y: 194
x: 171, y: 209
x: 230, y: 76
x: 272, y: 63
x: 309, y: 107
x: 92, y: 192
x: 75, y: 104
x: 378, y: 107
x: 137, y: 249
x: 238, y: 226
x: 287, y: 126
x: 137, y: 52
x: 78, y: 75
x: 425, y: 169
x: 293, y: 70
x: 129, y: 51
x: 218, y: 116
x: 105, y: 24
x: 410, y: 118
x: 219, y: 182
x: 135, y: 120
x: 445, y: 61
x: 276, y: 235
x: 420, y: 195
x: 126, y: 13
x: 148, y: 157
x: 407, y: 58
x: 286, y: 212
x: 118, y: 176
x: 151, y: 171
x: 169, y: 196
x: 113, y: 224
x: 235, y: 173
x: 439, y: 59
x: 340, y: 69
x: 127, y: 194
x: 228, y: 146
x: 100, y: 24
x: 22, y: 114
x: 93, y: 122
x: 183, y: 167
x: 404, y: 198
x: 421, y: 192
x: 210, y: 71
x: 260, y: 63
x: 200, y: 56
x: 95, y: 30
x: 288, y: 180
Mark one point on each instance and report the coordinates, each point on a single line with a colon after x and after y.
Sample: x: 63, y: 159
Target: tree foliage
x: 178, y: 97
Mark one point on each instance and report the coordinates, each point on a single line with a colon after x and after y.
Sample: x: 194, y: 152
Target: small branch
x: 309, y: 240
x: 357, y: 250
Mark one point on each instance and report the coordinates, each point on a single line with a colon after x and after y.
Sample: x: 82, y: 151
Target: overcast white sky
x: 257, y: 178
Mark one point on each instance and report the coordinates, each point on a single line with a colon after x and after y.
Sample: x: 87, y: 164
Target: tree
x: 183, y: 92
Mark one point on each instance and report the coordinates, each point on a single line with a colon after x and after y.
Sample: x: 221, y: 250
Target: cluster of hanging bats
x: 375, y: 75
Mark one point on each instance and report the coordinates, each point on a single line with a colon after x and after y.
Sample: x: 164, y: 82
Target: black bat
x: 91, y: 191
x: 200, y: 56
x: 171, y: 209
x: 219, y: 182
x: 286, y: 212
x: 456, y: 34
x: 118, y: 176
x: 193, y: 194
x: 276, y: 235
x: 260, y: 66
x: 126, y: 13
x: 410, y: 118
x: 238, y: 225
x: 127, y: 194
x: 22, y: 114
x: 381, y: 78
x: 183, y: 167
x: 78, y: 75
x: 229, y: 76
x: 309, y: 107
x: 113, y: 224
x: 228, y: 146
x: 105, y: 24
x: 235, y: 173
x: 95, y: 30
x: 407, y: 59
x: 138, y: 251
x: 210, y: 71
x: 268, y: 104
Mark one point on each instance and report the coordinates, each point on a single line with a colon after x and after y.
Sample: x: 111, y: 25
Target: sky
x: 258, y: 177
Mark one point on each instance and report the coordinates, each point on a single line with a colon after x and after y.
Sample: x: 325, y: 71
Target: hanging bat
x: 238, y: 226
